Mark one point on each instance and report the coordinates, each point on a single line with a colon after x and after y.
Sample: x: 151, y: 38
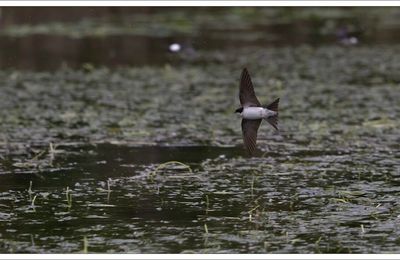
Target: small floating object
x: 346, y: 36
x: 175, y: 47
x: 349, y: 41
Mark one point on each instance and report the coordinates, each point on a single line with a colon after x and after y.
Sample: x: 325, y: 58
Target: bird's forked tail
x: 273, y: 120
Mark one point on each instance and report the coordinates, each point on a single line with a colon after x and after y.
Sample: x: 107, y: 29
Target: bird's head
x: 239, y: 110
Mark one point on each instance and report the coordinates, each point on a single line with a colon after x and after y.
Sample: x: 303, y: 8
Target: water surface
x: 110, y: 143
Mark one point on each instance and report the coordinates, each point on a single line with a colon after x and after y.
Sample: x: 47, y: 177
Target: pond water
x: 110, y: 143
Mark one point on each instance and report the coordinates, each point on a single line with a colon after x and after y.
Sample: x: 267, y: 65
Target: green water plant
x: 85, y: 245
x: 163, y: 165
x: 33, y: 201
x: 68, y: 196
x: 205, y: 228
x: 30, y: 188
x: 207, y: 204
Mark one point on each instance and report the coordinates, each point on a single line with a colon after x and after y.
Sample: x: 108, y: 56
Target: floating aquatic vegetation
x: 78, y: 146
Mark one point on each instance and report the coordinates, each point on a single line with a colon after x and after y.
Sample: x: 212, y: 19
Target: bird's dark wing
x: 246, y: 92
x: 249, y: 129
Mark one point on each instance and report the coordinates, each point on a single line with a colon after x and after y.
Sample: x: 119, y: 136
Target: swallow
x: 252, y: 112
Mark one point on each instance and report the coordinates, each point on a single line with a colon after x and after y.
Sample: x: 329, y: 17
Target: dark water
x: 121, y: 36
x: 110, y: 143
x: 287, y: 202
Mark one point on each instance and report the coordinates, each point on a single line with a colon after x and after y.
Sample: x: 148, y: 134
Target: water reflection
x: 49, y: 51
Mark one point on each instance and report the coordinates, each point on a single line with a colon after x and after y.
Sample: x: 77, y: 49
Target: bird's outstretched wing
x: 249, y: 129
x: 246, y: 92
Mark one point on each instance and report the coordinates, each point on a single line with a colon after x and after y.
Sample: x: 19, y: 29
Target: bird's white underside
x: 255, y: 113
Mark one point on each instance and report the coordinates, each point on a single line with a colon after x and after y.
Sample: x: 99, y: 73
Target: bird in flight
x: 252, y: 112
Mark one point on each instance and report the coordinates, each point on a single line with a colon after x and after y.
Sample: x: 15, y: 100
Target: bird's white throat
x: 254, y: 113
